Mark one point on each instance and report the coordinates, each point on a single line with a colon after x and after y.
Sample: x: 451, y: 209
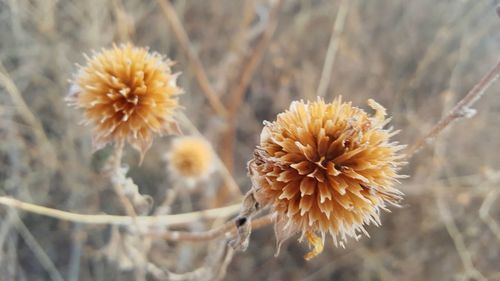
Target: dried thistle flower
x: 190, y: 158
x: 127, y: 94
x: 326, y: 168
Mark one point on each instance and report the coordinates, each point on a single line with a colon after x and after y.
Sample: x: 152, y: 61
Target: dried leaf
x: 317, y: 244
x: 283, y: 230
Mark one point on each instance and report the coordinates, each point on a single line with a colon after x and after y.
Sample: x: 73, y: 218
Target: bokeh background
x: 417, y: 58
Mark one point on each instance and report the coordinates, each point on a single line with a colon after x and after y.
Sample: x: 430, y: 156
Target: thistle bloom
x: 127, y: 95
x: 190, y: 158
x: 326, y: 168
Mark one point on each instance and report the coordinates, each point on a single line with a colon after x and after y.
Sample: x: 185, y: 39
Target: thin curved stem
x: 194, y: 61
x: 229, y: 228
x: 28, y: 116
x: 165, y: 220
x: 333, y: 46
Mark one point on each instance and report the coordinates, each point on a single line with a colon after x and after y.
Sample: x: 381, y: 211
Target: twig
x: 457, y: 24
x: 485, y: 215
x: 115, y: 162
x: 167, y: 220
x: 170, y: 195
x: 333, y: 46
x: 222, y: 269
x: 458, y: 240
x: 124, y: 24
x: 238, y: 90
x: 75, y: 253
x: 229, y: 228
x: 131, y: 200
x: 193, y: 59
x: 250, y: 64
x: 40, y: 254
x: 461, y: 109
x: 237, y: 49
x: 214, y: 269
x: 28, y: 116
x: 5, y: 227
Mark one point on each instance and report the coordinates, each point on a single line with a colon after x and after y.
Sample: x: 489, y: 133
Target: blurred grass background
x: 417, y: 58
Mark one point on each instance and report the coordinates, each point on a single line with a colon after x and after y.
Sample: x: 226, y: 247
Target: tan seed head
x: 326, y: 168
x: 128, y: 95
x: 190, y: 158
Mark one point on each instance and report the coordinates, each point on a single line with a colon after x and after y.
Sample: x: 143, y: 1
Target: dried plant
x: 326, y: 168
x: 190, y: 158
x: 127, y: 94
x: 323, y: 170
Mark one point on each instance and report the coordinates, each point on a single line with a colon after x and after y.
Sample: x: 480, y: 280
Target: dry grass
x: 417, y: 58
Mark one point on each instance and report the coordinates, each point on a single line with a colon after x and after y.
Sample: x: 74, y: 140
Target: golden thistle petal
x: 307, y: 186
x: 289, y: 191
x: 316, y: 243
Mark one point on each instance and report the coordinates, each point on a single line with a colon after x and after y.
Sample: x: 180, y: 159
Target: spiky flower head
x: 326, y: 168
x: 127, y: 94
x: 190, y: 158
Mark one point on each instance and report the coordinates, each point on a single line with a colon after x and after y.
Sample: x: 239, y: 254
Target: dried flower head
x: 127, y: 94
x: 326, y: 168
x: 190, y: 158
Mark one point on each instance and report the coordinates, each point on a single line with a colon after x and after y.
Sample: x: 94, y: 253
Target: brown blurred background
x: 417, y: 58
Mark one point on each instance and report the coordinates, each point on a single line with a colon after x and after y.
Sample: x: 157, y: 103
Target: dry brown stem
x: 194, y: 61
x: 460, y: 110
x: 28, y: 116
x: 167, y: 220
x: 237, y: 49
x: 228, y: 228
x: 214, y: 269
x: 237, y: 92
x: 333, y: 46
x: 486, y: 216
x: 115, y: 163
x: 467, y: 260
x: 125, y: 25
x: 38, y: 251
